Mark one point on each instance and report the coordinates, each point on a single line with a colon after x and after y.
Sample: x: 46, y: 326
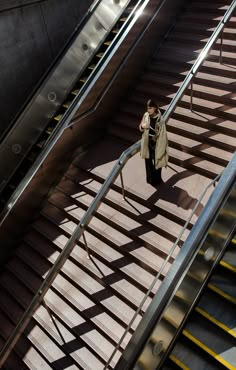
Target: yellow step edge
x: 100, y: 55
x: 216, y: 233
x: 75, y: 92
x: 215, y: 321
x: 179, y: 363
x: 107, y: 43
x: 67, y: 104
x: 229, y: 213
x: 92, y: 66
x: 83, y: 79
x: 233, y: 241
x: 223, y: 294
x: 208, y: 350
x: 228, y: 266
x: 122, y: 19
x: 40, y: 145
x: 58, y: 117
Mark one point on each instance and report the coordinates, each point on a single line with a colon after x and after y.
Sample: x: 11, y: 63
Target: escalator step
x: 100, y: 55
x: 83, y: 79
x: 212, y: 340
x: 229, y: 259
x: 220, y: 311
x: 75, y: 92
x: 178, y: 363
x: 223, y: 283
x: 186, y: 357
x: 67, y: 104
x: 58, y: 117
x: 92, y: 66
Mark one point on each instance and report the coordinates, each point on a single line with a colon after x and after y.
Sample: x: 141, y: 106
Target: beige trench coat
x: 161, y: 150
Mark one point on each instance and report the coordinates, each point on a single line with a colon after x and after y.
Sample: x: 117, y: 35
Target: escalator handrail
x: 79, y: 230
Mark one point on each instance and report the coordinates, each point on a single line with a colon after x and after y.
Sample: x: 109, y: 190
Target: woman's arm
x: 143, y: 125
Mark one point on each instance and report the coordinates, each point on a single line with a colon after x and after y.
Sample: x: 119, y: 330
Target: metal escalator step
x: 99, y: 55
x: 218, y: 310
x: 214, y: 321
x: 179, y: 363
x: 222, y: 293
x: 58, y: 117
x: 223, y: 283
x: 67, y: 104
x: 92, y: 66
x: 229, y: 259
x: 75, y: 92
x: 83, y: 79
x: 212, y: 340
x: 187, y: 357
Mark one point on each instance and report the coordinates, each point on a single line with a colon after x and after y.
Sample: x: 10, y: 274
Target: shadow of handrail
x: 116, y: 170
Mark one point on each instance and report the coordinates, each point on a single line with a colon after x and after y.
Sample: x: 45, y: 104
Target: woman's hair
x: 152, y: 103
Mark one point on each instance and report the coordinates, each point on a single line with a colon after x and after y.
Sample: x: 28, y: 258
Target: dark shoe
x: 157, y: 182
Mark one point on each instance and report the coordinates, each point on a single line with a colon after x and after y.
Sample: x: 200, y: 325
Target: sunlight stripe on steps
x: 215, y: 321
x: 208, y: 350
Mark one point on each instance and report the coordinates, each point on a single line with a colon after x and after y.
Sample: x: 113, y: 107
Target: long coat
x: 161, y: 148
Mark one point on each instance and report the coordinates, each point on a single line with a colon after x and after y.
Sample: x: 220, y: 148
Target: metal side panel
x: 50, y: 96
x: 190, y: 286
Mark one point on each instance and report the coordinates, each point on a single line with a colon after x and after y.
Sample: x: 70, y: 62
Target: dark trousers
x: 153, y: 175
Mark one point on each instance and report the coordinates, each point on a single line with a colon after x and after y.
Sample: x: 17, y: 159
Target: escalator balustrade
x: 42, y: 140
x: 208, y: 339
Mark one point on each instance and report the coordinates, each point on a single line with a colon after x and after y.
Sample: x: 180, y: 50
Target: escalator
x: 59, y: 92
x: 208, y: 339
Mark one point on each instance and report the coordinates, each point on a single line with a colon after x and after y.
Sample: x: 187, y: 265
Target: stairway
x: 92, y: 300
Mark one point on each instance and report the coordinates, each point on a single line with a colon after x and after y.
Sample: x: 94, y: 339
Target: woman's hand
x: 140, y: 127
x: 143, y: 126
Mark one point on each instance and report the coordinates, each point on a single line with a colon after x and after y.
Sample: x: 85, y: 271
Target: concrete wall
x: 32, y: 33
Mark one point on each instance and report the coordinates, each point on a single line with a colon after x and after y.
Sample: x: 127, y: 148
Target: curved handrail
x: 79, y: 230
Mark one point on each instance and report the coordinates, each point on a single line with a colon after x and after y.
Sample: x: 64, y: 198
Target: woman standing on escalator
x: 154, y: 143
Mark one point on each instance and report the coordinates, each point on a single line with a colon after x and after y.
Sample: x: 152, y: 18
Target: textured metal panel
x: 53, y: 92
x: 109, y: 10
